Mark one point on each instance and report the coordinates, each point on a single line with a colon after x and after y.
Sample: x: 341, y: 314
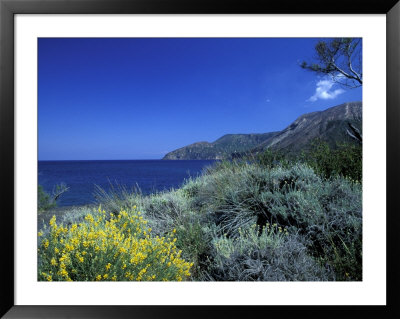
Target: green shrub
x: 172, y: 210
x: 344, y: 160
x: 165, y: 211
x: 45, y: 202
x: 270, y: 159
x: 268, y: 254
x: 194, y: 241
x: 232, y: 196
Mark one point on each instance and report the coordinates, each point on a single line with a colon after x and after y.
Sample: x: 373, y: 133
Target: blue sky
x: 141, y: 98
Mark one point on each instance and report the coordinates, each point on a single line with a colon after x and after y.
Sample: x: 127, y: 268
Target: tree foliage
x: 339, y: 58
x: 45, y: 201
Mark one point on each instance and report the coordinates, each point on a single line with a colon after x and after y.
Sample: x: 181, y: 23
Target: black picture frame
x: 8, y: 8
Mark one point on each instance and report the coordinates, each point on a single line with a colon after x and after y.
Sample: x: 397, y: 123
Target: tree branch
x: 335, y: 58
x: 354, y: 72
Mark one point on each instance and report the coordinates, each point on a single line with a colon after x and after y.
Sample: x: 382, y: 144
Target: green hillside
x: 225, y: 147
x: 331, y: 125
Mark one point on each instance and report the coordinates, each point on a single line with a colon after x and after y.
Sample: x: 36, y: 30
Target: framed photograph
x: 197, y: 159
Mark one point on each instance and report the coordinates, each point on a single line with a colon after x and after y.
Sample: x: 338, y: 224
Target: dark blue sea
x: 81, y: 176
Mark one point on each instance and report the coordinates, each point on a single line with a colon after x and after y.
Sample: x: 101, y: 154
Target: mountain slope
x: 225, y: 147
x: 330, y: 125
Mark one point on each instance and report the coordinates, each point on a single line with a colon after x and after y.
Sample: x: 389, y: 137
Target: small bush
x: 194, y: 241
x: 268, y: 254
x: 109, y: 247
x: 45, y: 202
x: 165, y: 211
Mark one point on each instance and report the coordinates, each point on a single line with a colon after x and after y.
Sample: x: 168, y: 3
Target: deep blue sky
x: 141, y: 98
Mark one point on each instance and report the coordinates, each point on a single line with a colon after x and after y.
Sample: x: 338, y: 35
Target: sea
x: 146, y: 176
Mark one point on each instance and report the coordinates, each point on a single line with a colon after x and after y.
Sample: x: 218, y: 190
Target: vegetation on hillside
x: 338, y: 124
x: 269, y: 218
x: 225, y: 147
x: 343, y: 159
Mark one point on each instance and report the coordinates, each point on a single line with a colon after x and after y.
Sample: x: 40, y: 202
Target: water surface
x: 82, y: 176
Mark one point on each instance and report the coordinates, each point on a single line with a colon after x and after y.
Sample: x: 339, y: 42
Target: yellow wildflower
x: 45, y: 243
x: 53, y: 221
x: 63, y: 273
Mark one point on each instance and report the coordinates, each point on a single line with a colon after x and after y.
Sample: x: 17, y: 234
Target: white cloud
x: 324, y: 92
x: 268, y: 100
